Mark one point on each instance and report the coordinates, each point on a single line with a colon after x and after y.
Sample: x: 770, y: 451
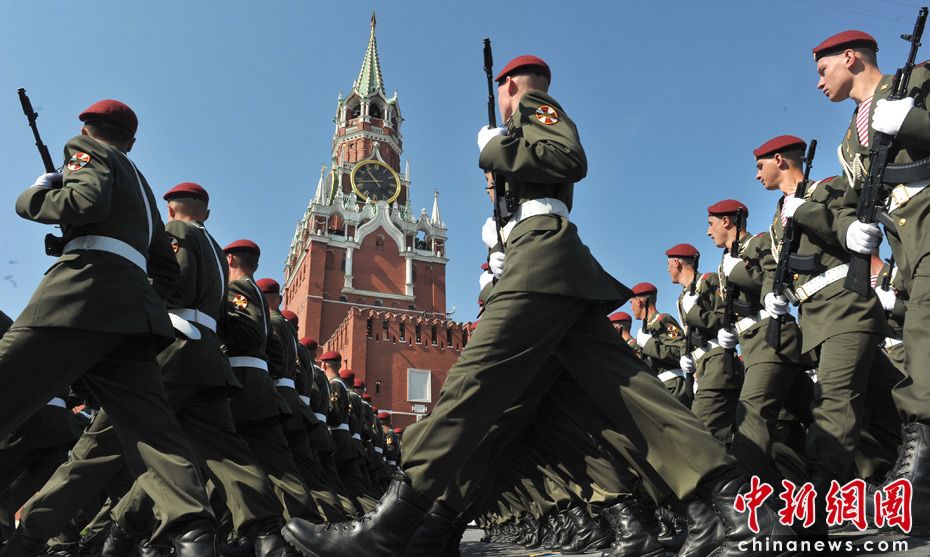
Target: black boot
x: 566, y: 531
x: 589, y: 533
x: 195, y: 540
x: 552, y: 531
x: 65, y: 550
x: 383, y: 531
x: 21, y: 545
x: 913, y: 464
x: 531, y: 539
x: 451, y: 547
x: 272, y: 545
x: 702, y: 529
x: 722, y: 497
x: 672, y: 528
x: 119, y: 543
x: 433, y: 533
x: 631, y: 537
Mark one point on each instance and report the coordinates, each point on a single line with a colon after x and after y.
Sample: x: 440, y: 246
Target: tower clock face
x: 375, y: 181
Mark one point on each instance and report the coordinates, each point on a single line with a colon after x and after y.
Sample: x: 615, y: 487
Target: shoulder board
x: 761, y: 234
x: 706, y: 276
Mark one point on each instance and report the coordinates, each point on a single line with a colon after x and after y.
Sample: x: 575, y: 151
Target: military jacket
x: 703, y: 319
x: 908, y: 240
x: 307, y: 385
x: 203, y: 288
x: 892, y: 348
x: 833, y: 310
x: 102, y: 194
x: 667, y: 343
x: 542, y: 157
x: 5, y: 323
x: 339, y: 413
x: 748, y: 278
x: 282, y: 348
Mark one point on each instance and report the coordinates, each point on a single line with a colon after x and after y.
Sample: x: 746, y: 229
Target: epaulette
x: 827, y: 180
x: 706, y: 276
x: 761, y: 234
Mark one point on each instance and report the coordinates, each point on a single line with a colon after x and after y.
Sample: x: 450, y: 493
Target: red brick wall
x: 379, y: 269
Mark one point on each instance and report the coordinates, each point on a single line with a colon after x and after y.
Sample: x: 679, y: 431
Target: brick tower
x: 360, y: 255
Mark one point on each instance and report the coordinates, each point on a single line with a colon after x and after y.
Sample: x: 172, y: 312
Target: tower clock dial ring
x: 373, y: 180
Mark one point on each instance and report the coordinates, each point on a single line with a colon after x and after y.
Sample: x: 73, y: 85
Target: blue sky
x: 670, y: 99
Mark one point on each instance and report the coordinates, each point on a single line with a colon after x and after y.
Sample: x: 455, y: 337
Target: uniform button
x: 796, y: 276
x: 902, y: 221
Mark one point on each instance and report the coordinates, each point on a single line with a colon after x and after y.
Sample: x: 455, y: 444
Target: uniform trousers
x: 913, y: 393
x: 121, y: 373
x: 519, y: 331
x: 717, y: 394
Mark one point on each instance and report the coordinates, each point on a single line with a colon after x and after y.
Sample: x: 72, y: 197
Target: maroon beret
x: 365, y: 396
x: 310, y: 343
x: 290, y: 316
x: 842, y: 41
x: 187, y: 189
x: 398, y: 430
x: 331, y: 355
x: 780, y: 144
x: 268, y: 285
x: 243, y: 246
x: 682, y: 250
x: 347, y: 374
x: 382, y: 415
x: 524, y: 62
x: 620, y: 316
x: 111, y: 112
x: 359, y: 383
x: 644, y: 289
x: 727, y: 207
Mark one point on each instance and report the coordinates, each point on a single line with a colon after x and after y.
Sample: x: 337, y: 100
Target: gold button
x: 902, y: 221
x: 796, y: 276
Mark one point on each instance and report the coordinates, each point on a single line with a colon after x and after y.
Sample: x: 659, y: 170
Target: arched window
x: 377, y: 387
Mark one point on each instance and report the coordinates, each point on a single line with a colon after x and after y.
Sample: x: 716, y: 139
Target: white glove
x: 486, y: 133
x: 484, y: 279
x: 862, y: 237
x: 886, y: 297
x: 496, y: 263
x: 789, y: 206
x: 642, y: 337
x: 687, y: 364
x: 727, y: 339
x: 889, y: 115
x: 688, y: 301
x: 729, y: 262
x: 49, y: 181
x: 489, y: 233
x: 775, y: 305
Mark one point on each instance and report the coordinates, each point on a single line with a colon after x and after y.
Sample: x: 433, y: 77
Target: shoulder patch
x: 672, y: 330
x: 78, y: 161
x: 240, y: 301
x: 547, y: 115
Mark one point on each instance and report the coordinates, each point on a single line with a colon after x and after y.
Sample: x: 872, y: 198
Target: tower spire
x: 320, y: 196
x: 435, y: 218
x: 369, y: 78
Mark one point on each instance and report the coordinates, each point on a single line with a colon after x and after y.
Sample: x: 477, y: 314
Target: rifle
x: 882, y: 152
x: 886, y: 280
x: 730, y: 297
x: 496, y: 179
x: 32, y: 116
x: 689, y: 341
x: 786, y: 245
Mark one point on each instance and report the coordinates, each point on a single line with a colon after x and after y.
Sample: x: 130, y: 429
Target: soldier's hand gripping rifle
x: 786, y: 245
x: 729, y: 357
x: 32, y: 116
x: 872, y: 196
x: 496, y: 179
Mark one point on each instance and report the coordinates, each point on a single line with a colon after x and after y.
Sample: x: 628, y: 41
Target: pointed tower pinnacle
x: 320, y: 196
x: 436, y: 218
x: 369, y: 78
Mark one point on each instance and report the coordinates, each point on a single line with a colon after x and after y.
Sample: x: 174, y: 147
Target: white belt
x: 379, y: 450
x: 285, y: 382
x: 344, y: 427
x: 671, y: 374
x: 196, y: 316
x: 532, y: 208
x: 305, y: 400
x: 901, y: 194
x: 319, y: 416
x: 109, y: 245
x: 745, y: 323
x: 699, y: 353
x: 59, y: 402
x: 892, y: 342
x: 86, y: 414
x: 248, y: 361
x: 356, y: 436
x: 821, y: 281
x: 392, y: 462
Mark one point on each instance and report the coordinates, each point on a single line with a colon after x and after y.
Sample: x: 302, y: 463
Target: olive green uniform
x: 103, y: 197
x: 663, y: 353
x: 551, y: 301
x: 717, y: 390
x: 909, y: 211
x: 774, y: 378
x: 840, y: 328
